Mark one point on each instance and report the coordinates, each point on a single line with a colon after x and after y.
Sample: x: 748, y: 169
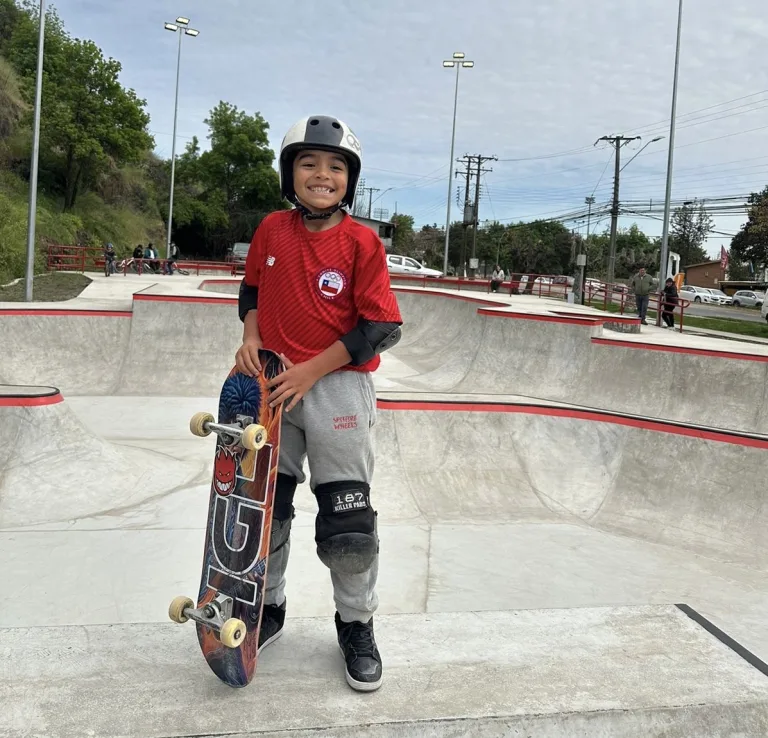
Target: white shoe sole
x: 360, y: 686
x: 271, y: 640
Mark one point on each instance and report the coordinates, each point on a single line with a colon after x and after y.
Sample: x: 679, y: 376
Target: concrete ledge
x: 649, y: 671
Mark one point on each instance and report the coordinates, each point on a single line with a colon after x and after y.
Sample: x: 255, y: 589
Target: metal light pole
x: 32, y: 217
x: 180, y: 27
x: 458, y: 61
x: 653, y: 140
x: 664, y: 265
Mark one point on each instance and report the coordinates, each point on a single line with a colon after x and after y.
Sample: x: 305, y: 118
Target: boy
x: 317, y: 292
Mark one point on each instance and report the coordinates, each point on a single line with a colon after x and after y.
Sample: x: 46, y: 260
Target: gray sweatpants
x: 332, y: 428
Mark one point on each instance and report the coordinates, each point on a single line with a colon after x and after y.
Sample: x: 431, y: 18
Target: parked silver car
x: 748, y: 298
x: 238, y: 252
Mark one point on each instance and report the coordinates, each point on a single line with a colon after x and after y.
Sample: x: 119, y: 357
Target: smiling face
x: 320, y: 179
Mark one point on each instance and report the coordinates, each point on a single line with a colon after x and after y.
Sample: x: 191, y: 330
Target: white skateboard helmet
x: 325, y: 133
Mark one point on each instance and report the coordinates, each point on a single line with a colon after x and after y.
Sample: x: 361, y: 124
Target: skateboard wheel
x: 176, y: 610
x: 233, y: 633
x: 198, y: 422
x: 254, y: 437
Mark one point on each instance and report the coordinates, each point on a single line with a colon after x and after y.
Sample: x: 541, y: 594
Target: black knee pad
x: 285, y: 489
x: 345, y: 527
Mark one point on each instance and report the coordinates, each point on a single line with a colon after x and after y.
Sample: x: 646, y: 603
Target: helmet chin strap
x: 311, y: 215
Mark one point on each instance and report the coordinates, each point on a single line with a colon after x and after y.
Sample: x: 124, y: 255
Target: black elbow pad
x: 247, y: 300
x: 369, y: 338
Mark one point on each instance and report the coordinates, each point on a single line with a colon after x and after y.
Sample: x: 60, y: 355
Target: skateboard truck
x: 216, y: 614
x: 246, y: 433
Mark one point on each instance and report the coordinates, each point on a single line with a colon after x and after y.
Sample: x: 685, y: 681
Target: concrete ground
x: 548, y: 492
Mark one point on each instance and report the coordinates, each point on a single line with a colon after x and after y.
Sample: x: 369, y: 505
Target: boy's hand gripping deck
x: 231, y: 598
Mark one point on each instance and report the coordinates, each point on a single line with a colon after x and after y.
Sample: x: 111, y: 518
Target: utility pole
x: 617, y: 142
x: 480, y: 159
x: 467, y: 216
x: 581, y: 259
x: 371, y: 190
x: 590, y: 202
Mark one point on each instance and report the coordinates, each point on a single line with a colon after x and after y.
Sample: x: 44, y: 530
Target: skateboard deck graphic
x: 231, y: 596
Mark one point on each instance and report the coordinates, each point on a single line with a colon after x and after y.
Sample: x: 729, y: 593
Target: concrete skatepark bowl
x: 571, y: 518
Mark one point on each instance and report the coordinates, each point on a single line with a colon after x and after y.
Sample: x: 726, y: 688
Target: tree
x: 237, y: 173
x: 751, y: 243
x: 539, y: 247
x: 10, y: 15
x: 633, y: 250
x: 689, y: 228
x: 224, y: 193
x: 89, y: 121
x: 403, y: 242
x: 92, y: 120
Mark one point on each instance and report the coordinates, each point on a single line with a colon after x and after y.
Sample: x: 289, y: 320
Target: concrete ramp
x: 614, y: 672
x: 180, y: 347
x: 573, y: 359
x: 497, y: 462
x: 540, y: 516
x: 54, y: 470
x: 78, y: 351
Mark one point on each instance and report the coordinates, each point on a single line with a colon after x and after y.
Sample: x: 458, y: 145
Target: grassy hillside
x: 122, y: 211
x: 12, y: 105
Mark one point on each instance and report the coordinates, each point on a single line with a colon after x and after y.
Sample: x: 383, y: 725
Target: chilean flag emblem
x: 331, y: 283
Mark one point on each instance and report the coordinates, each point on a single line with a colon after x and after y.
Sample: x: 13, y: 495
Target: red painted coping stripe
x: 27, y: 401
x: 613, y: 319
x: 181, y: 298
x: 465, y: 298
x: 658, y: 426
x: 221, y: 281
x: 542, y: 318
x: 712, y: 353
x: 70, y: 313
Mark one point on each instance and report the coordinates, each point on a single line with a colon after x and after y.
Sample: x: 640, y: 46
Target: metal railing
x: 549, y: 285
x: 90, y: 258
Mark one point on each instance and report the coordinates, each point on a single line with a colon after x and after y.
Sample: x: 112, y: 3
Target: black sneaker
x: 360, y: 653
x: 272, y: 619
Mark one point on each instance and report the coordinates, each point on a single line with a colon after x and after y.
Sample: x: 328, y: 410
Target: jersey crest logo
x: 270, y: 261
x: 331, y: 283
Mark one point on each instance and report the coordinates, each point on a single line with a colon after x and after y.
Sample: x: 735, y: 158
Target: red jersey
x: 314, y: 286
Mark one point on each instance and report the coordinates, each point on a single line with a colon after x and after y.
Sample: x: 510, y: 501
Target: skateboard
x: 231, y: 596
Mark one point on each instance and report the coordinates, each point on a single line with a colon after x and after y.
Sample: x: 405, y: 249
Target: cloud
x: 550, y: 76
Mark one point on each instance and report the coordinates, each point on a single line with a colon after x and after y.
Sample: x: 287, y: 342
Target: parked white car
x: 398, y: 264
x: 720, y: 295
x: 698, y: 294
x: 748, y: 298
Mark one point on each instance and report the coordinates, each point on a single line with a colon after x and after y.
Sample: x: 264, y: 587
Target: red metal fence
x: 89, y: 258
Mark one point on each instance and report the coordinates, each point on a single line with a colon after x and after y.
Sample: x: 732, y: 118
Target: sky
x: 550, y: 78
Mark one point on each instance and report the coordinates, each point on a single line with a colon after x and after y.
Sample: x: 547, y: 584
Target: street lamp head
x: 458, y: 55
x: 468, y: 64
x: 658, y: 138
x: 191, y: 32
x: 449, y: 64
x: 171, y: 27
x: 183, y: 21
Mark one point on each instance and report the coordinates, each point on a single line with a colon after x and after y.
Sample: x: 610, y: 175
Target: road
x: 751, y: 315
